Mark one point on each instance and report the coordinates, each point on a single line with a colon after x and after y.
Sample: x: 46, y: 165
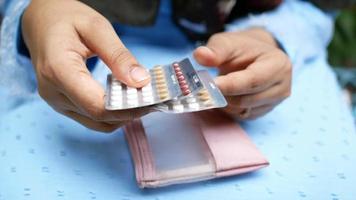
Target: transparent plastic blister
x: 167, y: 82
x: 208, y: 97
x: 174, y: 88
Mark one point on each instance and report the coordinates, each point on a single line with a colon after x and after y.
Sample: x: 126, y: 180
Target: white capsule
x: 147, y: 87
x: 131, y: 96
x: 132, y: 102
x: 148, y: 99
x: 178, y: 107
x: 116, y: 92
x: 116, y: 98
x: 117, y: 104
x: 194, y: 106
x: 131, y: 90
x: 147, y: 94
x: 191, y: 100
x: 116, y: 87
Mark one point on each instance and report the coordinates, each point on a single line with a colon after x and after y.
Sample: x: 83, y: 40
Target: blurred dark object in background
x: 334, y: 4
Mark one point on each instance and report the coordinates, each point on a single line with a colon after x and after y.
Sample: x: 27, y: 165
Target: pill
x: 116, y: 97
x: 147, y: 94
x: 148, y: 99
x: 194, y: 106
x: 181, y: 78
x: 163, y: 95
x: 115, y: 104
x: 131, y: 98
x: 160, y: 78
x: 183, y: 82
x: 162, y: 91
x: 179, y: 73
x: 161, y: 86
x: 186, y: 92
x: 147, y: 88
x: 159, y: 72
x: 161, y: 81
x: 116, y: 94
x: 208, y: 103
x: 157, y: 68
x: 116, y: 87
x: 131, y: 91
x: 203, y: 91
x: 178, y: 107
x: 184, y: 86
x: 132, y: 103
x: 177, y: 70
x: 204, y: 97
x: 115, y: 83
x: 191, y: 100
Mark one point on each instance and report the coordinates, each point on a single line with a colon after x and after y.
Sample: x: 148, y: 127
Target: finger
x: 232, y: 48
x: 102, y: 39
x: 91, y: 124
x: 253, y: 113
x: 243, y: 82
x: 259, y: 112
x: 272, y: 95
x: 76, y: 82
x: 256, y: 77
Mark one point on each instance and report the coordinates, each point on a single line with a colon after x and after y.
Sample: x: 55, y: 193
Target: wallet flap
x: 229, y: 144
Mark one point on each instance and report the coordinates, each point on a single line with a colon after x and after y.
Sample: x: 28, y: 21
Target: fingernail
x: 218, y: 81
x: 139, y: 74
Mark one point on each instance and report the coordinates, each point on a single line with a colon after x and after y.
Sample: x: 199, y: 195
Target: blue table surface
x: 310, y: 141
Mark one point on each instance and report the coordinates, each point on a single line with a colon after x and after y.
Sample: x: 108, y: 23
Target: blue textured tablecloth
x: 310, y: 141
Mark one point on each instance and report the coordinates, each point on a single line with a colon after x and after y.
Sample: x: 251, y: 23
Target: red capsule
x: 184, y: 87
x: 175, y: 64
x: 186, y: 92
x: 177, y: 70
x: 183, y: 82
x: 181, y: 78
x: 179, y: 73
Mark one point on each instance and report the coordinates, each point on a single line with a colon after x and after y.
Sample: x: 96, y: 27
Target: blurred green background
x: 342, y: 49
x: 342, y: 54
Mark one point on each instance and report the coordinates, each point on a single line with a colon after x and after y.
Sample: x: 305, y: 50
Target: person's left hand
x: 255, y: 75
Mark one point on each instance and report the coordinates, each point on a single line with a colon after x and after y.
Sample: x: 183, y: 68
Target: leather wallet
x: 179, y: 148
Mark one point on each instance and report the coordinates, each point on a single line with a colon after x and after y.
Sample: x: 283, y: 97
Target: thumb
x: 101, y: 38
x: 217, y: 51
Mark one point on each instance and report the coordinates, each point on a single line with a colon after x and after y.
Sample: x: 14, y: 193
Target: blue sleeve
x: 17, y: 81
x: 302, y: 30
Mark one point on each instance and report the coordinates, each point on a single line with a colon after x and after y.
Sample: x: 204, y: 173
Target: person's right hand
x: 61, y: 35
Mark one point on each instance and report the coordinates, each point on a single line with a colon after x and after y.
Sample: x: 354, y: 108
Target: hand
x: 60, y: 36
x: 255, y: 75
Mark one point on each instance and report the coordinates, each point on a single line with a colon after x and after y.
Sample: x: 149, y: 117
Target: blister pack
x: 174, y: 88
x: 167, y: 82
x: 206, y: 98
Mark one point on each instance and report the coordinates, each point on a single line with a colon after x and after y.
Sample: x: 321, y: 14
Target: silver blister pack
x: 208, y: 97
x: 175, y: 80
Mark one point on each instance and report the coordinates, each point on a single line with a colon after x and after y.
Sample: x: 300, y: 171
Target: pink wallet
x: 179, y: 148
